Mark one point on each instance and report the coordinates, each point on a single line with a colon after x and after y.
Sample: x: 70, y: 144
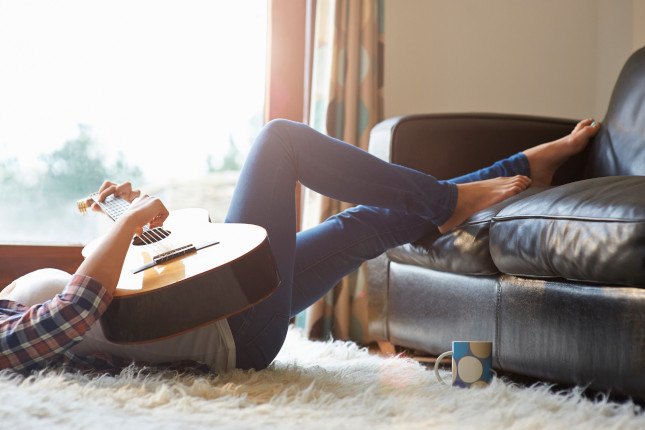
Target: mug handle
x: 436, y: 366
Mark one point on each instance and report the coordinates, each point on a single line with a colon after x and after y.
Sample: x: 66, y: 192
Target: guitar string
x: 146, y: 236
x: 115, y: 207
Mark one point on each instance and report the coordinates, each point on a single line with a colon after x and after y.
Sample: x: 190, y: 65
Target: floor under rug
x: 311, y: 385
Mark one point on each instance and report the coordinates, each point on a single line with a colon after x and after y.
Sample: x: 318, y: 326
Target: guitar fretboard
x: 113, y: 206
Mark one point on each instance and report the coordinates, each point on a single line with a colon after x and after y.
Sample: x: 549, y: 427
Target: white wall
x: 638, y: 23
x: 548, y: 57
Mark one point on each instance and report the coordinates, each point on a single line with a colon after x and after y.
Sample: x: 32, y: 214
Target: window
x: 169, y: 94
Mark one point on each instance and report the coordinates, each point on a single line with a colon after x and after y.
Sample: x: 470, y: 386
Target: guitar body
x: 235, y: 272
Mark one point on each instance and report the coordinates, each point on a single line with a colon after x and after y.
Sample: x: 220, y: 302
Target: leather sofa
x: 555, y: 276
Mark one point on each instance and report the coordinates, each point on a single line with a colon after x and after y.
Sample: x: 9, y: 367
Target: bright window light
x: 168, y: 93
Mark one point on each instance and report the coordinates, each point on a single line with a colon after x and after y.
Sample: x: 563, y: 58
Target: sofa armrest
x: 451, y: 145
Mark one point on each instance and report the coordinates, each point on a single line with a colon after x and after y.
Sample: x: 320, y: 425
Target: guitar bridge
x: 166, y: 256
x: 174, y: 253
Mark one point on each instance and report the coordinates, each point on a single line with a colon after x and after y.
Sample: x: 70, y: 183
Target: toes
x: 582, y: 124
x: 516, y: 184
x: 514, y: 189
x: 522, y: 180
x: 591, y: 129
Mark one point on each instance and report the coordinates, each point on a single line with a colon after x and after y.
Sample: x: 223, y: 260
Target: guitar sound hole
x: 151, y: 236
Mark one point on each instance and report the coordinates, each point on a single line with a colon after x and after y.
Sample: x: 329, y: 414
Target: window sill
x: 19, y: 259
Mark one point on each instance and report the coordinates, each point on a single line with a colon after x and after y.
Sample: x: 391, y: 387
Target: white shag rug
x: 311, y: 385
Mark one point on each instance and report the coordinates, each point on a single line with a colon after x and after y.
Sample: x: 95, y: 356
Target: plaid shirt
x: 32, y: 337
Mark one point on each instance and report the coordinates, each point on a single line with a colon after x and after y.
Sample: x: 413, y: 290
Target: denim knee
x: 276, y: 137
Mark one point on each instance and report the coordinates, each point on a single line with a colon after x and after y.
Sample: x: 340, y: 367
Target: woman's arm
x: 31, y: 336
x: 106, y: 262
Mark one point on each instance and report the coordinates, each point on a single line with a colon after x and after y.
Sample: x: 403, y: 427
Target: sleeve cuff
x: 87, y: 293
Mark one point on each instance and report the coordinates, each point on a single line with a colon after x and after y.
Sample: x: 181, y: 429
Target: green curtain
x: 346, y: 101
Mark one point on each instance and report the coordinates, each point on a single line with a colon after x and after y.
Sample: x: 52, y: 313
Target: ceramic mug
x: 471, y: 364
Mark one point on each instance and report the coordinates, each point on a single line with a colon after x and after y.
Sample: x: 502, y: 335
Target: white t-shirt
x: 211, y: 344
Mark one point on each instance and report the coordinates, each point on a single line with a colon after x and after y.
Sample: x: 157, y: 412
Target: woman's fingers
x: 105, y: 185
x: 133, y: 195
x: 123, y: 190
x: 126, y: 192
x: 108, y: 191
x: 149, y: 211
x: 159, y: 219
x: 102, y: 194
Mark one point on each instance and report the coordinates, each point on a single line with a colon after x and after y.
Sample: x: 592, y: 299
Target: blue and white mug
x: 471, y: 363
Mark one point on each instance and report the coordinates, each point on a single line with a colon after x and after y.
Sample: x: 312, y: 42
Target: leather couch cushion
x: 590, y: 231
x: 463, y: 250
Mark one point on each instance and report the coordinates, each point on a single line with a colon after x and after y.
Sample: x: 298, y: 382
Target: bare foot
x: 475, y: 196
x: 545, y: 159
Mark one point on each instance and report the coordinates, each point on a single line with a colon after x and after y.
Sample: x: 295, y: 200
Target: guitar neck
x: 113, y: 206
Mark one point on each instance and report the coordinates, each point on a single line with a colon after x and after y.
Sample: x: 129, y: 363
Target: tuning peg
x: 82, y: 206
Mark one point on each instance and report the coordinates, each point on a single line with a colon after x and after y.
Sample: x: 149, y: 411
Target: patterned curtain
x: 345, y: 102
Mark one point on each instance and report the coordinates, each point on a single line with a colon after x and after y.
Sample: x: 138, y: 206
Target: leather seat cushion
x: 590, y: 231
x: 463, y: 250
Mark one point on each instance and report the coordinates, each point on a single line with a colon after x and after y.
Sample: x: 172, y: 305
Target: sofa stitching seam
x: 565, y: 218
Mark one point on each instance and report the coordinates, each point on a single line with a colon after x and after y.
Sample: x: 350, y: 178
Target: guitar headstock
x: 81, y: 205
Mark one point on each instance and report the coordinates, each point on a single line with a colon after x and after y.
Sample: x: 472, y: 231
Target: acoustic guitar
x: 189, y: 273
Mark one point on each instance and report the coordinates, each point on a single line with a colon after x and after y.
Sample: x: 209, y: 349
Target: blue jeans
x: 397, y: 205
